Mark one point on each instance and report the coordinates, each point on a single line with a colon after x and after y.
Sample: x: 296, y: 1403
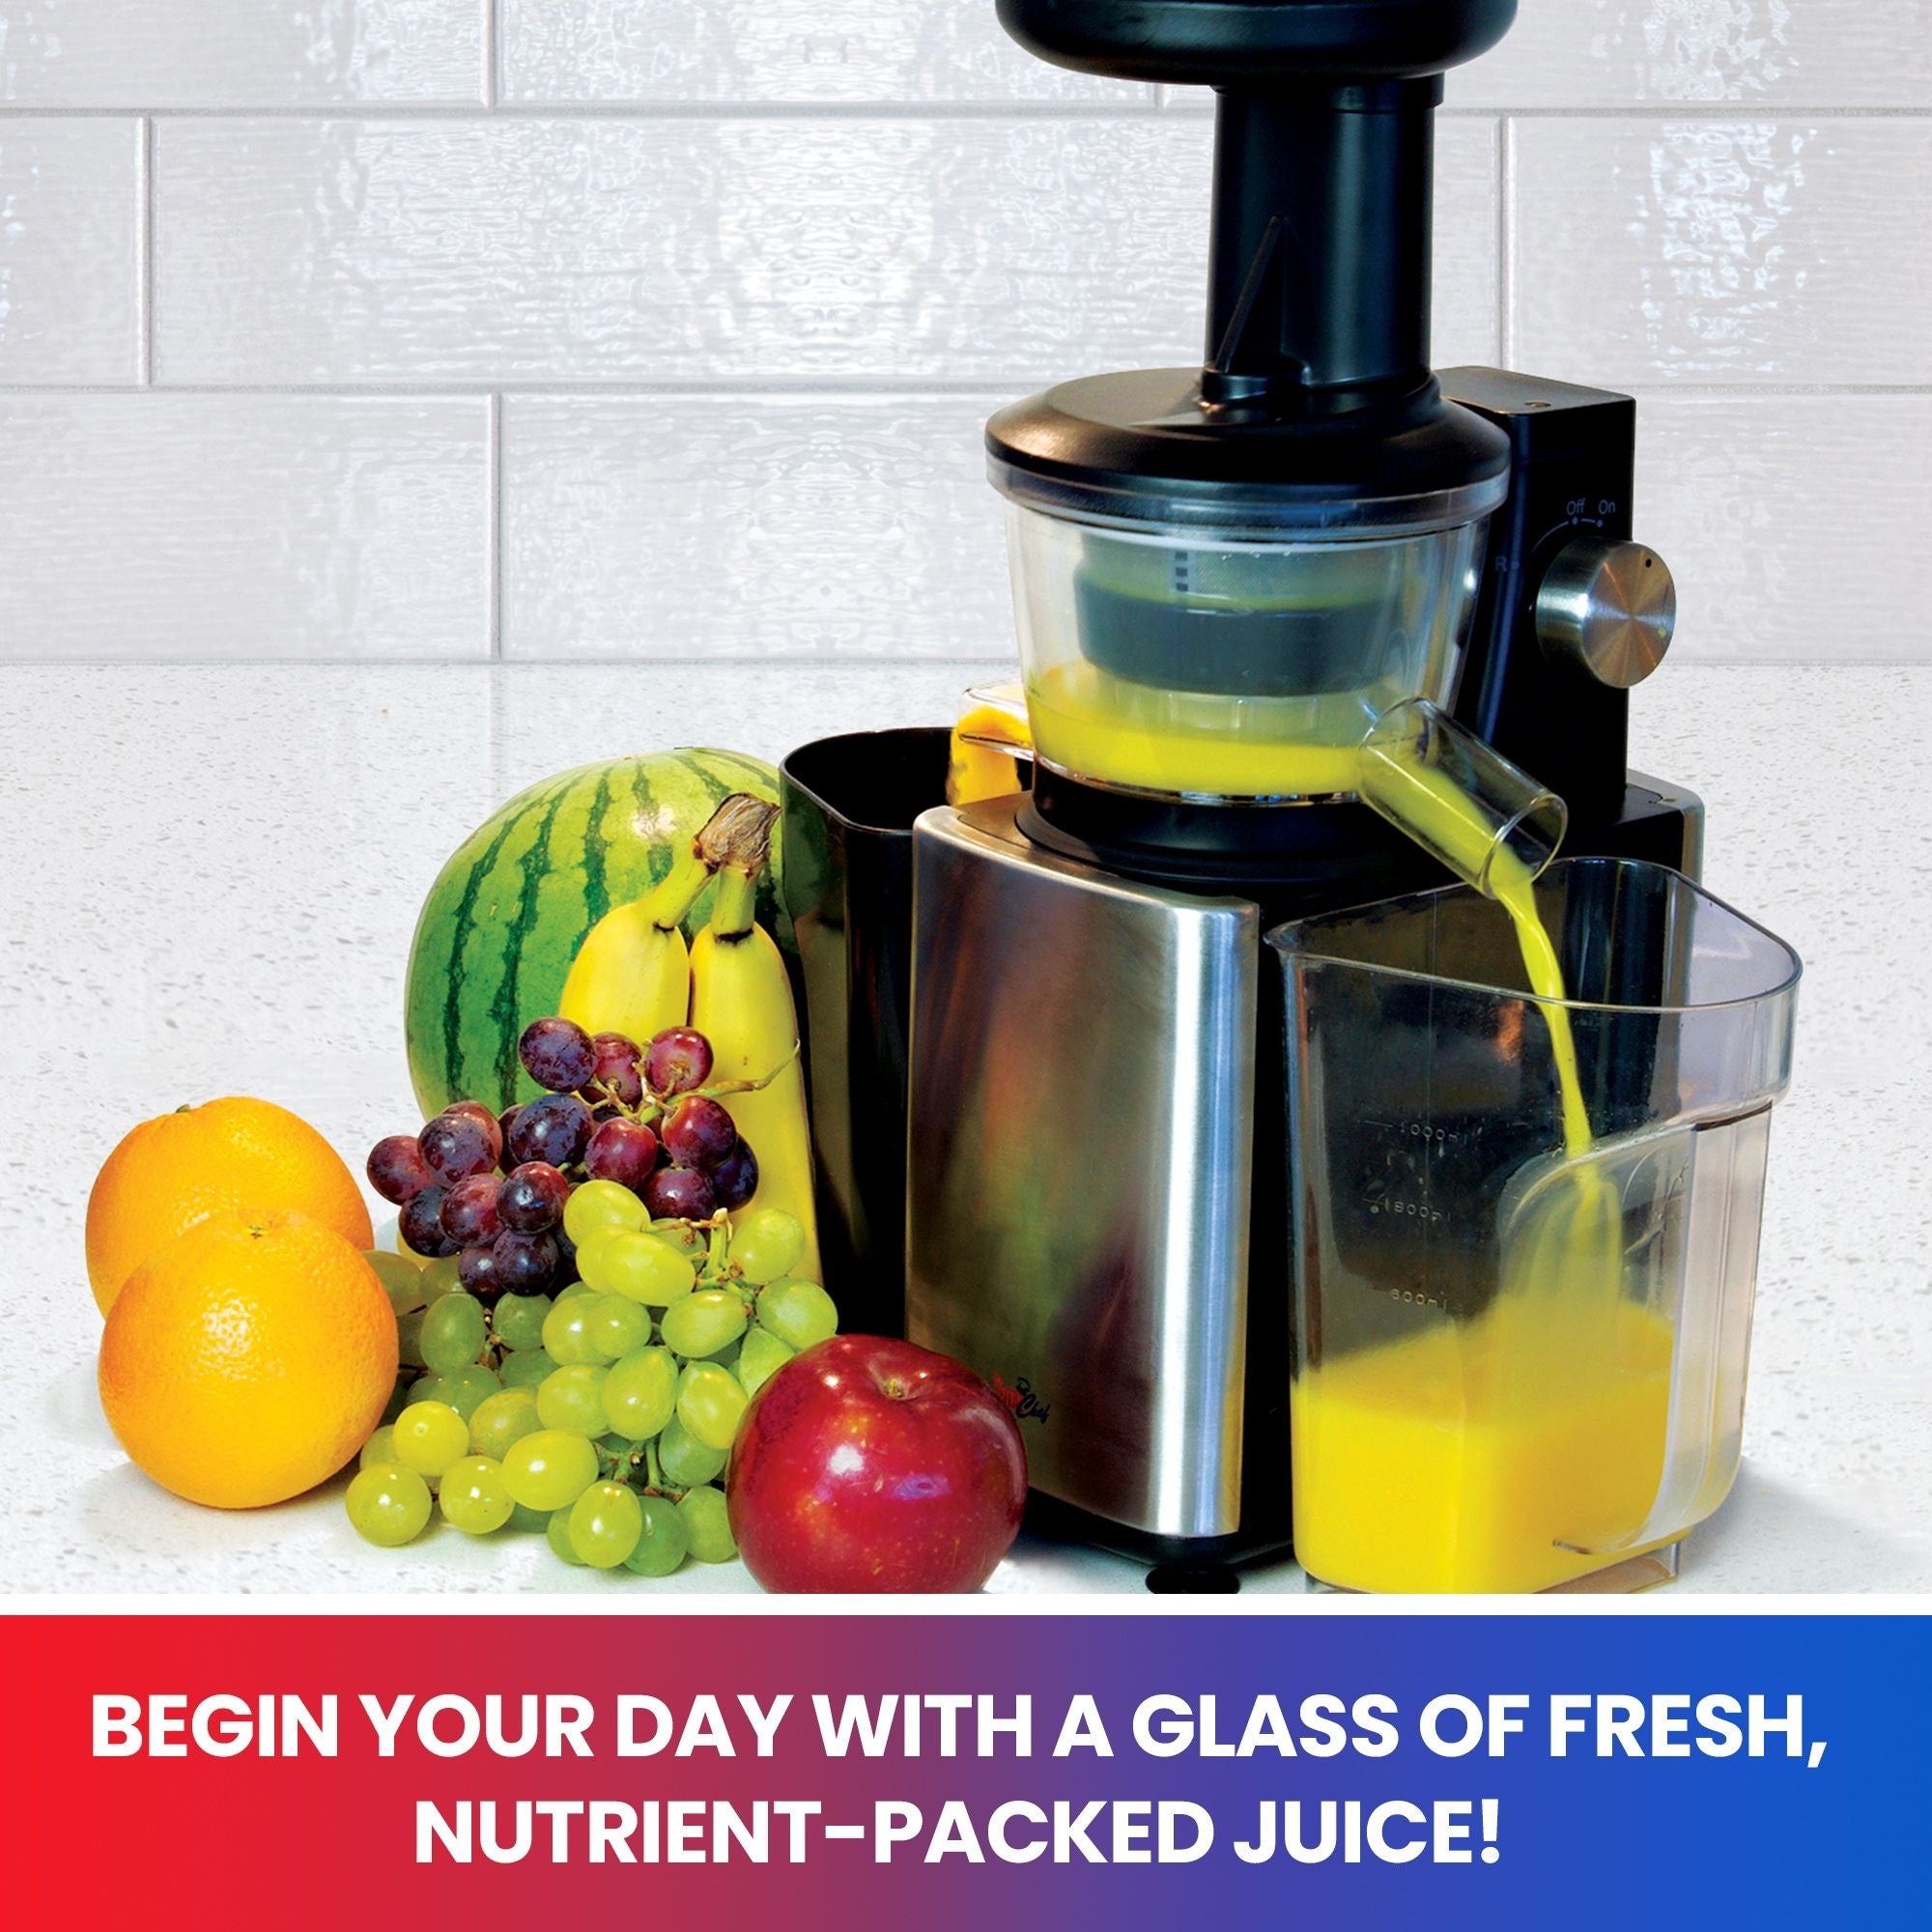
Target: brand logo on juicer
x: 1020, y: 1399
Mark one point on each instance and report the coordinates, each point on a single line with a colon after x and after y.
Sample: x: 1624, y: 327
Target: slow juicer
x: 1230, y: 579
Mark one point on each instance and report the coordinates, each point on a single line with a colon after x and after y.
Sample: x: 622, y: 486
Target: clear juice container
x: 1526, y: 1228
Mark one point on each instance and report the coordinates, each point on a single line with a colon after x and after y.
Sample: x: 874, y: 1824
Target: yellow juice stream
x: 1511, y: 1451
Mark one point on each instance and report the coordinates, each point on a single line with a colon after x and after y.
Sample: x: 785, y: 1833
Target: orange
x: 247, y: 1360
x: 250, y: 1155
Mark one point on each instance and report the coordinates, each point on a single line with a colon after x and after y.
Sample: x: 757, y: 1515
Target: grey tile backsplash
x: 583, y: 329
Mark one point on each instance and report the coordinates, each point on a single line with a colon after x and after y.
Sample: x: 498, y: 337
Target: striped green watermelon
x: 509, y: 909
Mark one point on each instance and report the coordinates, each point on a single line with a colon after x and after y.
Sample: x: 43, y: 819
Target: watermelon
x: 510, y: 908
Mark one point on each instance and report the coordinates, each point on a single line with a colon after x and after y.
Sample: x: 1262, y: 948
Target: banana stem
x: 737, y: 840
x: 736, y: 906
x: 674, y: 895
x: 739, y: 834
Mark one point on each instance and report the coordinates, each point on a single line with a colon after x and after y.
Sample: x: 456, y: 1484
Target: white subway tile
x: 1724, y: 251
x: 1468, y: 243
x: 511, y: 251
x: 1782, y: 518
x: 243, y: 526
x: 783, y: 51
x: 239, y: 53
x: 70, y: 269
x: 693, y: 526
x: 1626, y: 53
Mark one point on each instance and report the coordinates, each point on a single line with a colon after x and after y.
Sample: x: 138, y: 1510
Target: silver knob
x: 1608, y: 608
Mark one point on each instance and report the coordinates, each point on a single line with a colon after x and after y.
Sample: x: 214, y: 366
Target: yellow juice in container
x: 1504, y: 1453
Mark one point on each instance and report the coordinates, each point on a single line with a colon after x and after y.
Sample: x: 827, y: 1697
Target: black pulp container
x: 849, y: 807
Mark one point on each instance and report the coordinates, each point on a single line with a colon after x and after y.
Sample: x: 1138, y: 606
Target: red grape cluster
x: 490, y: 1188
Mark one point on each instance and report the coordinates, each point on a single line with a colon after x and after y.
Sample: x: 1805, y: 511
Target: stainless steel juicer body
x: 1082, y: 1108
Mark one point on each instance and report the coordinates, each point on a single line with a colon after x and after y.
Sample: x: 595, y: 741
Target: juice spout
x: 990, y: 741
x: 1490, y: 824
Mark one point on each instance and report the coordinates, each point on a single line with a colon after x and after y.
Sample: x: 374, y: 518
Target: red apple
x: 870, y: 1464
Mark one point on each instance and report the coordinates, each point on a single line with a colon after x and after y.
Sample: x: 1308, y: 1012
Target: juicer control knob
x: 1610, y: 609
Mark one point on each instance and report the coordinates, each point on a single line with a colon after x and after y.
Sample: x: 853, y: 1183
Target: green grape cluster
x: 601, y: 1416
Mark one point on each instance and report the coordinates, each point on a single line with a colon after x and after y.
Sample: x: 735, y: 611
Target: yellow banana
x: 741, y: 1002
x: 632, y: 974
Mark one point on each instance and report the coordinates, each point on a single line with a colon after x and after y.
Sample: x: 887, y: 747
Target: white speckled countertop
x: 210, y: 876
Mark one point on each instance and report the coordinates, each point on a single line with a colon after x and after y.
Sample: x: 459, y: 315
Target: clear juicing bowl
x: 1527, y: 1227
x: 1225, y: 665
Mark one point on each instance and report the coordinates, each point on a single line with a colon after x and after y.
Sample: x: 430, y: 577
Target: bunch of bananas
x: 636, y: 975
